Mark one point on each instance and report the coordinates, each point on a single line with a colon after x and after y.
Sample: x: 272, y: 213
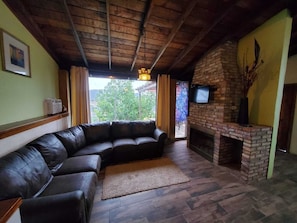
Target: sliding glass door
x: 181, y: 109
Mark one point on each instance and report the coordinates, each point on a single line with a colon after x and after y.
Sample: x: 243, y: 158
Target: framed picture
x: 15, y: 55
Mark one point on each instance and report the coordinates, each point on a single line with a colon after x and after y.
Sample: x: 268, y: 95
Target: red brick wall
x: 218, y: 68
x: 255, y: 150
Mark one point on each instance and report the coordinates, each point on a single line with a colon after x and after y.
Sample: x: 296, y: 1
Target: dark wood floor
x: 214, y: 194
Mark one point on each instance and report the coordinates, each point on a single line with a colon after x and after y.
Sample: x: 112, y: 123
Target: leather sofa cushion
x: 86, y: 182
x: 121, y: 129
x: 73, y: 139
x: 147, y: 147
x: 146, y: 140
x: 123, y: 143
x: 52, y: 150
x: 98, y: 132
x: 23, y: 173
x: 124, y: 150
x: 103, y: 149
x: 143, y: 128
x: 66, y: 207
x: 80, y: 164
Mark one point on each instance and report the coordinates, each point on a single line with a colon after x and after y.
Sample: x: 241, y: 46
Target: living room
x: 22, y: 97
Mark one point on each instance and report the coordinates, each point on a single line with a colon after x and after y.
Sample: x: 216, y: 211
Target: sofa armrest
x: 160, y: 135
x: 66, y: 207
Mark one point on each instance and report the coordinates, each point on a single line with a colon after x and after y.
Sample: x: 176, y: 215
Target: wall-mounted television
x: 199, y: 93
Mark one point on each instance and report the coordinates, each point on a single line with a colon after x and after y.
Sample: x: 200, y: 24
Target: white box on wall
x: 53, y: 106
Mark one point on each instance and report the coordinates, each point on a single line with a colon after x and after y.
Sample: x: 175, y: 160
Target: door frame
x: 289, y: 113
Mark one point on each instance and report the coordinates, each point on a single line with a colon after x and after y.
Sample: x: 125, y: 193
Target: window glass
x: 118, y: 99
x: 181, y: 109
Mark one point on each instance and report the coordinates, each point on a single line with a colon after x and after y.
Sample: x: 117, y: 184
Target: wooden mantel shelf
x: 17, y: 127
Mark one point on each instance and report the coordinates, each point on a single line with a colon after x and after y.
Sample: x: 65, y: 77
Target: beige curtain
x: 79, y: 83
x: 164, y: 116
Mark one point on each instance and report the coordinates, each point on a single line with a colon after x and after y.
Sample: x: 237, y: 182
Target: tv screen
x: 200, y: 94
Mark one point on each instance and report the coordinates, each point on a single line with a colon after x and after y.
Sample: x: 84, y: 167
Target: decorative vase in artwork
x: 243, y: 114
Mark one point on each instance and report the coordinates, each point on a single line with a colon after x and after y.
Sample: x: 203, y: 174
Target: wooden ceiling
x: 117, y: 37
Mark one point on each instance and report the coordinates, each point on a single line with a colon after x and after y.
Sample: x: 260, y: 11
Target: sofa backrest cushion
x: 143, y: 128
x: 23, y: 173
x: 97, y: 132
x: 121, y: 129
x: 73, y: 139
x: 52, y: 150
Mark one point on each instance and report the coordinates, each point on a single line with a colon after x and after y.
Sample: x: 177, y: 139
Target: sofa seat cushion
x: 146, y: 140
x: 103, y: 149
x: 123, y: 143
x: 80, y: 164
x: 52, y: 150
x: 86, y: 182
x: 147, y: 147
x: 23, y: 173
x: 124, y: 150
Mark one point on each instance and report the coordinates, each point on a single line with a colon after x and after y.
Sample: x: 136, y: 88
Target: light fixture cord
x: 144, y: 42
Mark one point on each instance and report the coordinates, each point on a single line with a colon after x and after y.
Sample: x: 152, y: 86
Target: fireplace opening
x: 230, y: 152
x: 202, y: 142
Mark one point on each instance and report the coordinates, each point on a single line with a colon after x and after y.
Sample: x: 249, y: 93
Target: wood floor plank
x: 214, y: 194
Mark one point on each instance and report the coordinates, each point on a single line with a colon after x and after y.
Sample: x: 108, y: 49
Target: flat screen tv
x: 199, y: 94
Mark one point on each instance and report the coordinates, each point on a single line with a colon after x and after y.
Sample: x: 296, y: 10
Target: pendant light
x: 144, y: 74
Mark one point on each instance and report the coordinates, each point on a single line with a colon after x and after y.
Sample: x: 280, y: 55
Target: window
x: 118, y: 99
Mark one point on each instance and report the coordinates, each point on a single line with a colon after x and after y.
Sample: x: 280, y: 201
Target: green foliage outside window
x: 119, y: 101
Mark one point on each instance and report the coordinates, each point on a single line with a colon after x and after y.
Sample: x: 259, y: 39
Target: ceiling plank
x: 201, y: 35
x: 108, y: 34
x: 147, y: 14
x: 128, y: 21
x: 235, y: 34
x: 76, y: 37
x: 174, y: 31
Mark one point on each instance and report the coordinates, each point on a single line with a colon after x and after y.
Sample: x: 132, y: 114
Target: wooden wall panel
x: 64, y: 89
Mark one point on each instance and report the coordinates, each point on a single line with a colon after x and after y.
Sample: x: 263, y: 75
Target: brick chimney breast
x: 219, y: 69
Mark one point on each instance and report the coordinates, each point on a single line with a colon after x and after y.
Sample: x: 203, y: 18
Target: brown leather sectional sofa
x: 56, y: 174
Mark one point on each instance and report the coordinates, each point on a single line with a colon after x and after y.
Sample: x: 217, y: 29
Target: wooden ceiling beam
x: 75, y: 34
x: 146, y: 16
x: 108, y: 34
x: 236, y: 33
x: 174, y: 31
x: 201, y: 35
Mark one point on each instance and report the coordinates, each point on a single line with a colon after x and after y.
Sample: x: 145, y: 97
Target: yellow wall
x: 21, y: 97
x: 266, y: 93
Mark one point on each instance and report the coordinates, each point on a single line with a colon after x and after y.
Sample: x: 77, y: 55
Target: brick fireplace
x: 214, y: 124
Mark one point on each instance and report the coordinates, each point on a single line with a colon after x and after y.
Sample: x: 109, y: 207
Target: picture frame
x: 15, y: 55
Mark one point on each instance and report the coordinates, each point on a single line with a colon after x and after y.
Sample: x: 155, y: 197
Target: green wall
x: 21, y: 97
x: 266, y: 93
